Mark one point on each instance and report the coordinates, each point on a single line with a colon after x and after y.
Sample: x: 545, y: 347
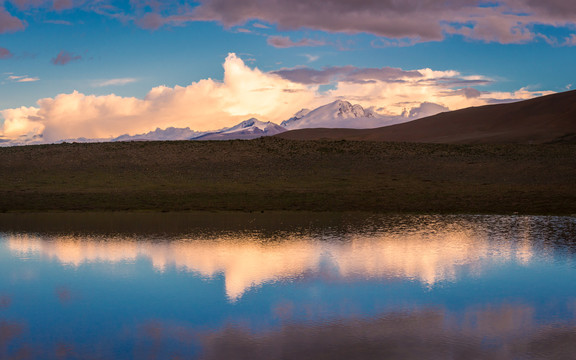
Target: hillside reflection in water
x: 409, y: 287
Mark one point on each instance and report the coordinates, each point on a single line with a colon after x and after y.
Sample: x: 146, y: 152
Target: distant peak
x: 301, y: 113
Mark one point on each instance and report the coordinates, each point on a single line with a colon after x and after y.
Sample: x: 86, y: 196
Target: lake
x: 286, y: 286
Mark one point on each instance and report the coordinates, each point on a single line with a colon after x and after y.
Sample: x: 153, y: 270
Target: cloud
x: 570, y: 41
x: 495, y: 331
x: 22, y: 79
x: 286, y: 42
x: 385, y: 43
x: 151, y: 21
x: 203, y: 105
x: 28, y: 4
x: 64, y: 58
x: 60, y: 5
x: 349, y: 73
x: 311, y: 58
x: 28, y: 79
x: 469, y: 93
x: 260, y: 26
x: 397, y: 23
x: 247, y: 92
x: 58, y: 22
x: 9, y: 23
x: 5, y: 53
x: 114, y: 82
x: 426, y: 109
x: 401, y: 23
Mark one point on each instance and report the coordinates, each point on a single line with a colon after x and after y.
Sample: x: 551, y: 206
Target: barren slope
x: 547, y: 119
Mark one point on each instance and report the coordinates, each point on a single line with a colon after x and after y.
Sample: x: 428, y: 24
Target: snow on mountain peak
x: 252, y: 124
x: 299, y: 115
x: 332, y: 115
x: 247, y: 129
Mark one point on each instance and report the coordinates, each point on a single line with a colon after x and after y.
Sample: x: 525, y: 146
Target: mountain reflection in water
x: 431, y: 287
x: 245, y: 262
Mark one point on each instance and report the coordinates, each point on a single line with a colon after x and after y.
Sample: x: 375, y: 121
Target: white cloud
x: 114, y: 82
x: 203, y: 105
x: 311, y: 58
x: 243, y: 93
x: 22, y: 79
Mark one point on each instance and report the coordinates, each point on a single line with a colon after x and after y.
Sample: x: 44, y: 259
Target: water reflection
x: 427, y: 255
x: 412, y: 288
x: 505, y: 332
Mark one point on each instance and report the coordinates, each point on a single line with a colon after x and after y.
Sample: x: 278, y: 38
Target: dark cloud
x: 151, y: 21
x: 286, y: 42
x: 59, y: 5
x: 386, y: 18
x: 507, y: 21
x: 9, y: 332
x: 310, y: 76
x: 64, y: 58
x: 349, y: 73
x: 506, y: 332
x: 5, y: 53
x: 426, y: 109
x: 399, y: 23
x: 469, y: 93
x: 9, y: 23
x: 5, y: 300
x: 456, y: 82
x: 27, y: 4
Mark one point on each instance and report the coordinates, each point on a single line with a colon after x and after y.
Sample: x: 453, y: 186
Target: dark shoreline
x: 271, y: 174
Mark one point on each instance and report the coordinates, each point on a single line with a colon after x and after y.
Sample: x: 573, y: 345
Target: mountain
x: 170, y: 133
x: 249, y: 129
x: 339, y: 114
x: 546, y: 119
x: 294, y: 120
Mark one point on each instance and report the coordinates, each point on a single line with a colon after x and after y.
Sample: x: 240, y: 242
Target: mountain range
x: 341, y: 114
x: 546, y: 119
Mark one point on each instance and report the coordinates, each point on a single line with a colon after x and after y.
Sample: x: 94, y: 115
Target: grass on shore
x: 276, y: 174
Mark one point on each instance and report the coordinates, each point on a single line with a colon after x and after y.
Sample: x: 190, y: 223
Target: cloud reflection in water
x: 428, y: 255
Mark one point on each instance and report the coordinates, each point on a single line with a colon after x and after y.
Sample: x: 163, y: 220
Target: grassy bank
x: 276, y: 174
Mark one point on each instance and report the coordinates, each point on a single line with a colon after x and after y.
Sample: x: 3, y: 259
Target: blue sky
x: 109, y: 51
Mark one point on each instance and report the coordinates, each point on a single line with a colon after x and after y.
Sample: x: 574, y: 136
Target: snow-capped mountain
x: 170, y: 133
x: 294, y: 119
x: 248, y: 129
x: 339, y: 114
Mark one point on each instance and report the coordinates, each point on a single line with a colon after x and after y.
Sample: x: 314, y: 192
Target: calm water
x: 287, y: 287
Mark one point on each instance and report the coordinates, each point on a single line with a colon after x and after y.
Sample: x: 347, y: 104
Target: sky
x: 104, y: 68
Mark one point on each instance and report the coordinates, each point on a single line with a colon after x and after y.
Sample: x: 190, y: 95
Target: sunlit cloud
x: 203, y: 105
x: 246, y: 263
x: 260, y: 26
x: 22, y: 79
x: 247, y: 92
x: 114, y: 82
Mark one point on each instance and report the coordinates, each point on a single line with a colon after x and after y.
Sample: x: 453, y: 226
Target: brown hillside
x: 547, y: 119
